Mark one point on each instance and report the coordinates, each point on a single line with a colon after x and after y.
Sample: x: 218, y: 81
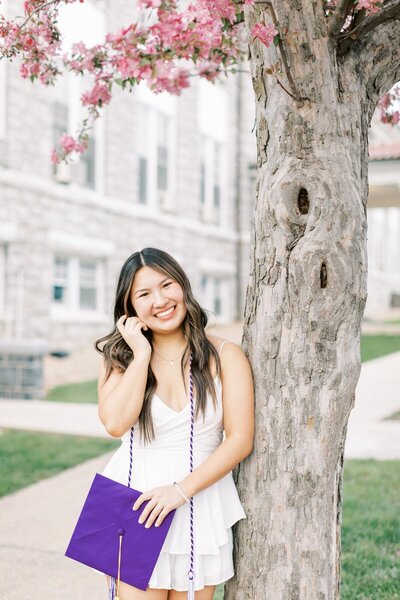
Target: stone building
x: 161, y: 171
x: 383, y: 219
x: 172, y: 172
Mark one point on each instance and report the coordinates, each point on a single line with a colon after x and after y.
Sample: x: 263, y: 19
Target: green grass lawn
x: 371, y: 525
x: 27, y: 457
x: 74, y: 392
x: 394, y: 417
x: 371, y: 530
x: 392, y: 321
x: 373, y: 346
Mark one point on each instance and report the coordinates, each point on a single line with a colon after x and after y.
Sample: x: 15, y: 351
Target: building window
x: 88, y: 162
x: 8, y: 311
x: 3, y: 99
x: 144, y: 137
x: 78, y: 285
x: 86, y: 169
x: 217, y: 178
x: 60, y: 126
x: 215, y: 296
x: 213, y: 126
x: 60, y: 286
x: 202, y: 174
x: 87, y: 285
x: 162, y: 153
x: 211, y: 178
x: 2, y: 277
x: 143, y: 180
x: 83, y: 170
x: 155, y: 157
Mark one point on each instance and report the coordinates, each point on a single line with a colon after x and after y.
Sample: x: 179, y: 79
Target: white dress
x: 215, y: 508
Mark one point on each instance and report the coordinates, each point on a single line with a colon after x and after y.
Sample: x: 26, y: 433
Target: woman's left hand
x: 161, y: 501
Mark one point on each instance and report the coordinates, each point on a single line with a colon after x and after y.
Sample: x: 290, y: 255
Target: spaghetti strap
x: 220, y: 348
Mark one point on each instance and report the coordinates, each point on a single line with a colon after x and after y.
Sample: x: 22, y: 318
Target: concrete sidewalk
x: 36, y: 524
x: 377, y: 397
x: 52, y: 417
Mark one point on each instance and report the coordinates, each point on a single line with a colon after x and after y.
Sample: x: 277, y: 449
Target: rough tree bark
x: 307, y: 290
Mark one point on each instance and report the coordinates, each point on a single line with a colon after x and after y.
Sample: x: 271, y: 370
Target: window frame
x: 72, y: 308
x: 159, y: 108
x: 3, y: 99
x: 217, y: 287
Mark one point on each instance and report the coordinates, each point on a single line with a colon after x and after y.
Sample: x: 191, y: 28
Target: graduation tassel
x: 190, y: 595
x: 111, y: 592
x: 120, y: 533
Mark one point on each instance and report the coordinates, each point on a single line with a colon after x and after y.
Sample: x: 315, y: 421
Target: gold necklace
x: 171, y: 362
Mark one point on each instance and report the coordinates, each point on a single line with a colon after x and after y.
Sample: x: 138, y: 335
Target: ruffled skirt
x: 215, y: 510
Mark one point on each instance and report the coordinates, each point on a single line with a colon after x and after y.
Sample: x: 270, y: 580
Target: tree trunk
x: 304, y: 306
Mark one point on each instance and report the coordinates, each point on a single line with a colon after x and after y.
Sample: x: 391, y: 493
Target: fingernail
x: 140, y: 520
x: 147, y: 525
x: 157, y: 524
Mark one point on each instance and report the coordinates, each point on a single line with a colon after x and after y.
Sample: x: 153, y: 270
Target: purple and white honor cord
x: 190, y: 595
x: 113, y: 584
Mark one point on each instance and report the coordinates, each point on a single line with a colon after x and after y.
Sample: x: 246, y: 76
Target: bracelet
x: 181, y: 492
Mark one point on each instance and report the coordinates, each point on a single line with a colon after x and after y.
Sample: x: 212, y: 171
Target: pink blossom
x: 387, y: 103
x: 264, y: 33
x: 55, y: 159
x: 199, y: 38
x: 100, y: 94
x: 371, y: 6
x: 68, y: 144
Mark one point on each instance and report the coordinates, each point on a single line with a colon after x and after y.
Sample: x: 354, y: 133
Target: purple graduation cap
x: 109, y: 538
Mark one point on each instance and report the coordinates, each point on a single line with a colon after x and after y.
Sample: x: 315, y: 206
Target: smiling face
x: 157, y: 299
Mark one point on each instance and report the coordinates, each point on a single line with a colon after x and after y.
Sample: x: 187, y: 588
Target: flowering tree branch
x: 368, y: 23
x: 202, y: 39
x: 378, y: 57
x: 295, y: 94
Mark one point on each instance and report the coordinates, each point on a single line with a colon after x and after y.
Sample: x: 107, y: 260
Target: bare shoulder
x: 233, y: 359
x: 216, y: 340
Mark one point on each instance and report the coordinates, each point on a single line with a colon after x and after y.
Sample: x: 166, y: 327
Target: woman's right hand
x: 131, y: 330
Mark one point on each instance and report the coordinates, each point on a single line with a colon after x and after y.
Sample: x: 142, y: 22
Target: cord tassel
x: 190, y: 595
x: 120, y: 533
x: 111, y: 591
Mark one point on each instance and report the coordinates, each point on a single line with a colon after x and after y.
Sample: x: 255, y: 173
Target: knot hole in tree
x: 303, y: 202
x: 323, y: 275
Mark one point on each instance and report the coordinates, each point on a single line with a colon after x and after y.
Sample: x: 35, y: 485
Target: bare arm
x: 238, y: 409
x: 121, y: 396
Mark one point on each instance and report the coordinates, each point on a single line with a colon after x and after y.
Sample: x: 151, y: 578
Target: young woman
x: 144, y: 382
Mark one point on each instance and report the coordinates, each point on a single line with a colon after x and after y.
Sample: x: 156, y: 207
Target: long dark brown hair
x: 118, y: 355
